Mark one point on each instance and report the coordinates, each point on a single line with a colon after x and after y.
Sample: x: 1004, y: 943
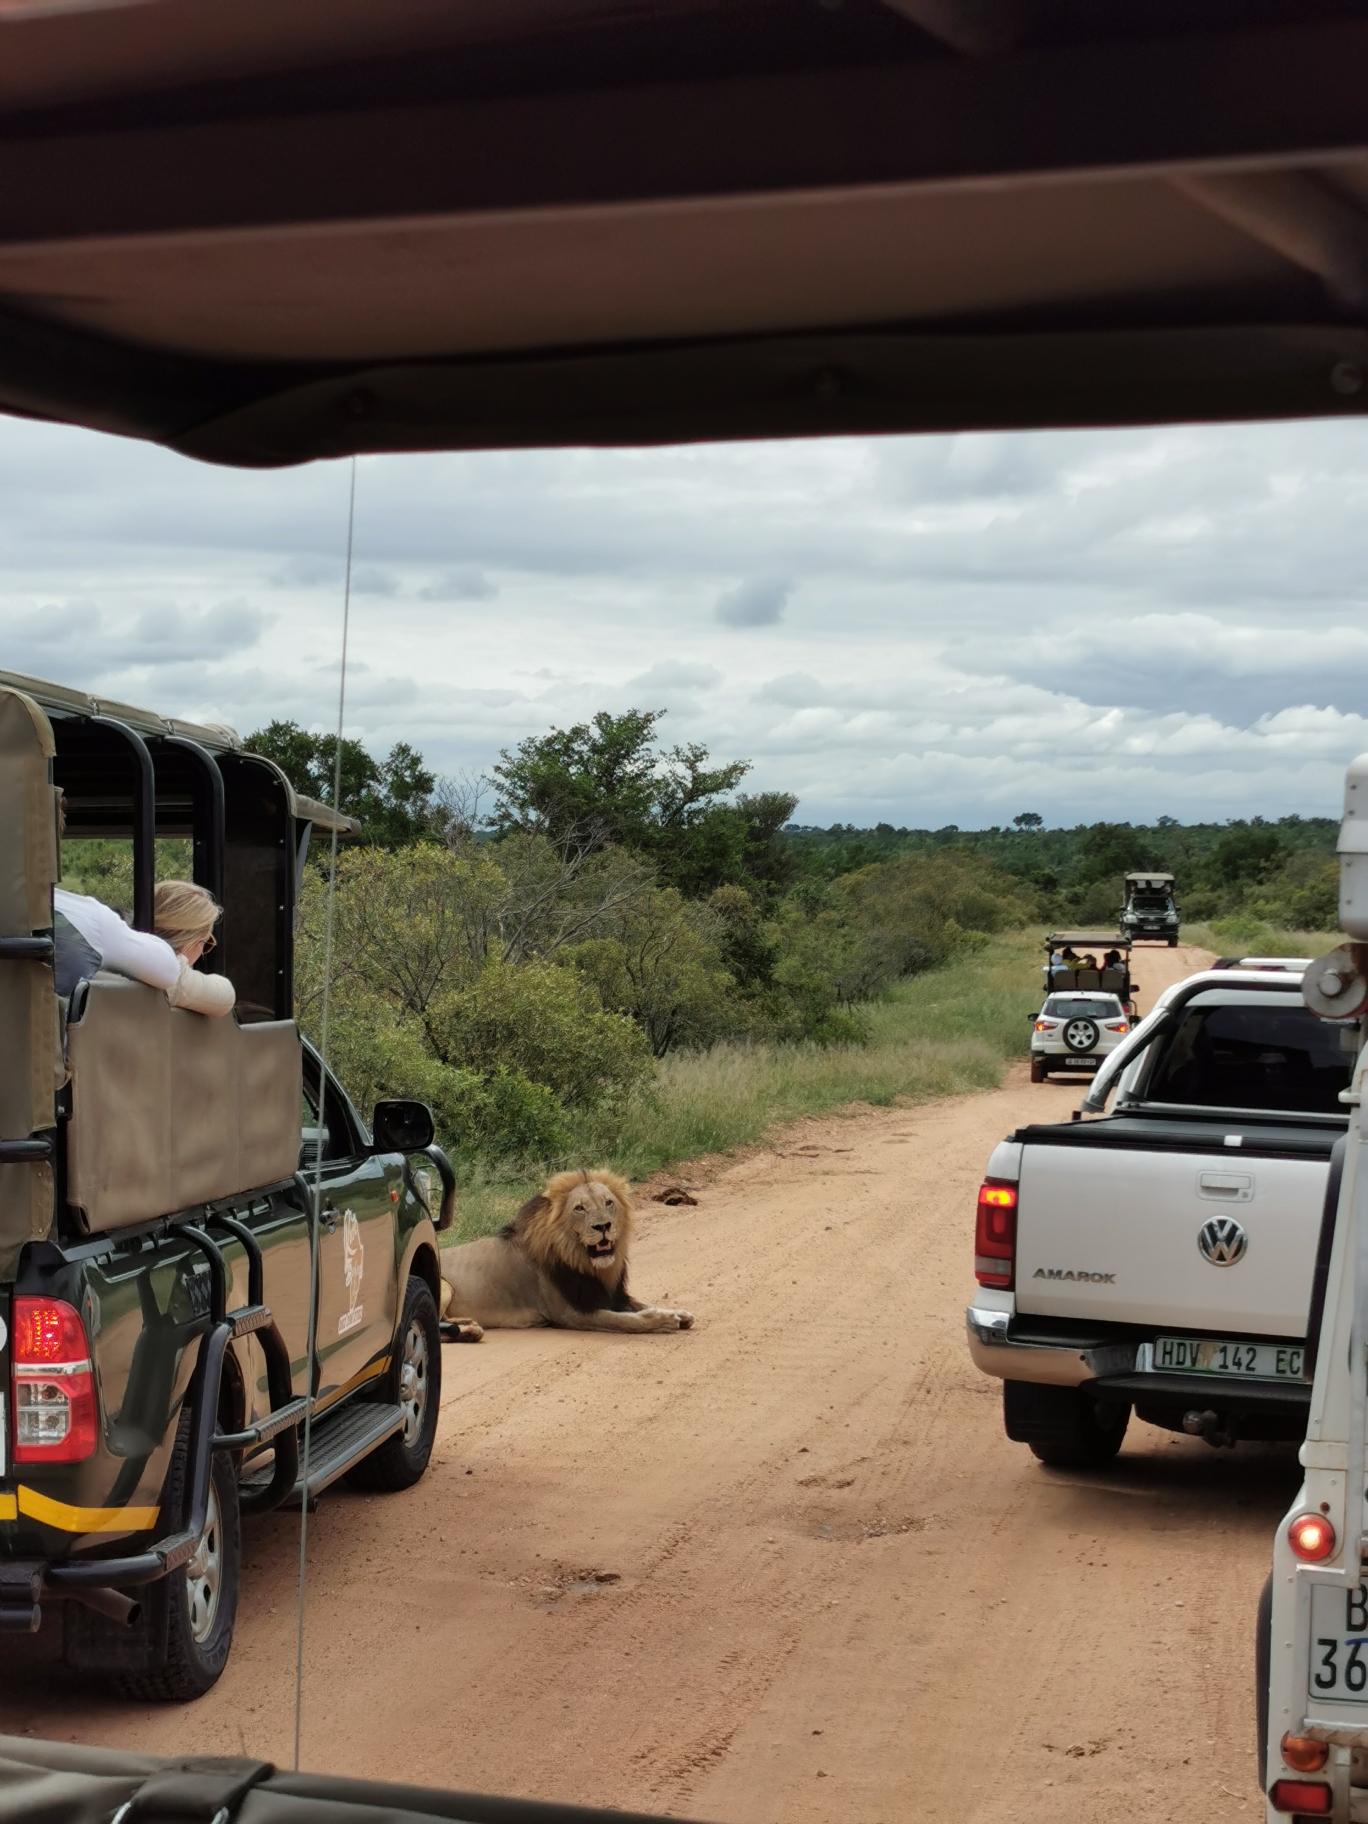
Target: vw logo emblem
x: 1222, y: 1241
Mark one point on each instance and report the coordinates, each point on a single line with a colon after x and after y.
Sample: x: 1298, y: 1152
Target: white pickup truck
x: 1168, y: 1258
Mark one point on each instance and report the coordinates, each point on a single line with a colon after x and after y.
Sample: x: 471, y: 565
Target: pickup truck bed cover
x: 1177, y: 1133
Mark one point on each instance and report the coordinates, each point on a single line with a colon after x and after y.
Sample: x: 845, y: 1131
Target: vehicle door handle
x: 1226, y: 1187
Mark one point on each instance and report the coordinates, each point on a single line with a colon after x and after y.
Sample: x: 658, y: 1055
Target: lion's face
x: 595, y: 1218
x: 582, y: 1219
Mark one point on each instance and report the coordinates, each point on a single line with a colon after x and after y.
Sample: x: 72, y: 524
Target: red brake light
x: 1311, y: 1537
x: 1299, y: 1795
x: 995, y: 1233
x: 55, y: 1414
x: 1047, y: 1025
x: 1117, y: 1026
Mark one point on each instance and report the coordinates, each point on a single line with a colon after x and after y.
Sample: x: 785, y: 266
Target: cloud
x: 758, y: 603
x: 672, y: 675
x: 1099, y: 624
x: 462, y: 584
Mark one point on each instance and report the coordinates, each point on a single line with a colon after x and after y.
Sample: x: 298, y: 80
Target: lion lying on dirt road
x: 562, y: 1261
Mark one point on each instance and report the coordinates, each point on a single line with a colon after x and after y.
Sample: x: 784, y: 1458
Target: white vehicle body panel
x: 1134, y: 1216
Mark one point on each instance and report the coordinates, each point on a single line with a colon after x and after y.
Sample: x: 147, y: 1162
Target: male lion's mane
x: 539, y: 1231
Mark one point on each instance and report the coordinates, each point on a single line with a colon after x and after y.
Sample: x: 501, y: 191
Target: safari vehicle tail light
x: 995, y: 1233
x: 1299, y: 1795
x: 1046, y: 1025
x: 1311, y: 1537
x: 1117, y: 1026
x: 1304, y: 1753
x: 55, y: 1419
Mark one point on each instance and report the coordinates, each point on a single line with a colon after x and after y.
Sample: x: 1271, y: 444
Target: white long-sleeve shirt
x: 137, y: 953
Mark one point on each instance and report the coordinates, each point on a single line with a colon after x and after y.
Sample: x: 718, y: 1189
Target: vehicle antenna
x: 318, y: 1144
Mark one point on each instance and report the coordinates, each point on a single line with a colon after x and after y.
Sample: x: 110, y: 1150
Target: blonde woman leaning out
x: 184, y: 917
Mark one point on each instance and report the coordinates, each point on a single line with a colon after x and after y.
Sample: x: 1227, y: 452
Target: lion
x: 561, y: 1261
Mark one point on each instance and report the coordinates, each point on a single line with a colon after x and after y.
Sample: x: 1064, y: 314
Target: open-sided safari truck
x: 1075, y: 975
x: 1150, y: 910
x: 160, y: 1341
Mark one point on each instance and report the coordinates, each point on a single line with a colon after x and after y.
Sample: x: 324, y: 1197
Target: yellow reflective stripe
x: 85, y: 1519
x: 9, y: 1507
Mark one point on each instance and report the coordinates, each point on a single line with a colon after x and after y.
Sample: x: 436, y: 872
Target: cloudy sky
x: 923, y: 630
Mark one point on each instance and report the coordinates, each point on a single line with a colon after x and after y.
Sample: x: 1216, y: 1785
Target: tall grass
x: 939, y: 1034
x: 1244, y: 935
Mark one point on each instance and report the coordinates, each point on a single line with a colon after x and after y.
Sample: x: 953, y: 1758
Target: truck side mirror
x: 402, y: 1127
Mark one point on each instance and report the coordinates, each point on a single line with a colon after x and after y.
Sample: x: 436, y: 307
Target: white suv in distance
x: 1074, y: 1032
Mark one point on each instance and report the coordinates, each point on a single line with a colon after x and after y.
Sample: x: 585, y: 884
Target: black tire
x: 1081, y: 1035
x: 1263, y: 1669
x: 179, y: 1645
x: 1173, y: 943
x: 1065, y: 1427
x: 1039, y: 1070
x: 401, y: 1460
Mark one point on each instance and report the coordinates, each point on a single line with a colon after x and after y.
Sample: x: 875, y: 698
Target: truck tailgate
x: 1109, y: 1233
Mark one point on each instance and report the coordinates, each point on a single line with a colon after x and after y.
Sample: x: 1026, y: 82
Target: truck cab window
x: 1253, y: 1057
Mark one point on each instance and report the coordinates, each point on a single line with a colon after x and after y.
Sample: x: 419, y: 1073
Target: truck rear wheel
x: 415, y: 1383
x: 1064, y: 1426
x: 1039, y: 1069
x: 179, y: 1644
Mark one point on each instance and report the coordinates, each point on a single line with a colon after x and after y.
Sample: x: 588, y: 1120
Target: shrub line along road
x: 784, y: 1566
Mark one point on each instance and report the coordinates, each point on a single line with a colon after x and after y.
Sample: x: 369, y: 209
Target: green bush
x: 545, y: 1024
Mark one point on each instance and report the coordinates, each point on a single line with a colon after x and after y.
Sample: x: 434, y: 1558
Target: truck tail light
x: 1311, y: 1537
x: 995, y: 1233
x: 1304, y: 1753
x: 55, y: 1417
x: 1305, y: 1796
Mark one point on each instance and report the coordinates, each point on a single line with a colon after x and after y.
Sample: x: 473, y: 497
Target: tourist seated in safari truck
x: 186, y: 1287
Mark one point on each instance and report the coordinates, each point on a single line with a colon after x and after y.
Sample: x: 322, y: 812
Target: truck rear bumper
x: 1118, y: 1368
x: 1054, y: 1364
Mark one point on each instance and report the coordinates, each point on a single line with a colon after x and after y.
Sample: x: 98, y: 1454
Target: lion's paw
x: 684, y: 1319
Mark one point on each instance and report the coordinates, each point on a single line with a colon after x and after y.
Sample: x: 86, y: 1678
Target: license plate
x: 1080, y: 1063
x: 1205, y: 1355
x: 1339, y: 1644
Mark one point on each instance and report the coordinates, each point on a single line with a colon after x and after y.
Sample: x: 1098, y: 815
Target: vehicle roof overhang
x: 277, y: 231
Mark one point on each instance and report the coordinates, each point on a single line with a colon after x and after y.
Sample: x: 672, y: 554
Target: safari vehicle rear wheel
x: 1065, y: 1427
x: 177, y: 1648
x: 415, y: 1383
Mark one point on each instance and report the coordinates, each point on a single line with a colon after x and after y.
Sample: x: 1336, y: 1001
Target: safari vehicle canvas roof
x: 276, y: 231
x: 60, y: 700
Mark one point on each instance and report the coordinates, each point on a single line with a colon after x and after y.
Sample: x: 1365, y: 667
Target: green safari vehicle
x: 167, y: 1182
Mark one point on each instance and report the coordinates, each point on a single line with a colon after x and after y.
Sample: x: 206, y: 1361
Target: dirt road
x: 784, y: 1566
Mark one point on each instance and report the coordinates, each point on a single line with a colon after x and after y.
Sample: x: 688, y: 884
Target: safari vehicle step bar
x: 339, y: 1442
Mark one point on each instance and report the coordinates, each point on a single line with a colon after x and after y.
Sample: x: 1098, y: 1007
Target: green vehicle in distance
x: 166, y: 1181
x: 1150, y: 911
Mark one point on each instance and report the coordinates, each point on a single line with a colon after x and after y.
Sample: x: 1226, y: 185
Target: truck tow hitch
x: 1207, y: 1426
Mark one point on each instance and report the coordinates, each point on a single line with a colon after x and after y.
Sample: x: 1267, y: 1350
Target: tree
x: 391, y: 797
x: 1028, y: 820
x: 607, y: 782
x: 1247, y: 853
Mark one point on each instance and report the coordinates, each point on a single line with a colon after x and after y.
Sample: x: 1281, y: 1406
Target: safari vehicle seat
x: 1062, y: 978
x: 1089, y: 978
x: 1114, y: 981
x: 169, y: 1109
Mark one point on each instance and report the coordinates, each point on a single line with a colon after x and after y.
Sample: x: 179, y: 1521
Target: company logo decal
x: 1091, y: 1279
x: 1222, y: 1241
x: 353, y: 1266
